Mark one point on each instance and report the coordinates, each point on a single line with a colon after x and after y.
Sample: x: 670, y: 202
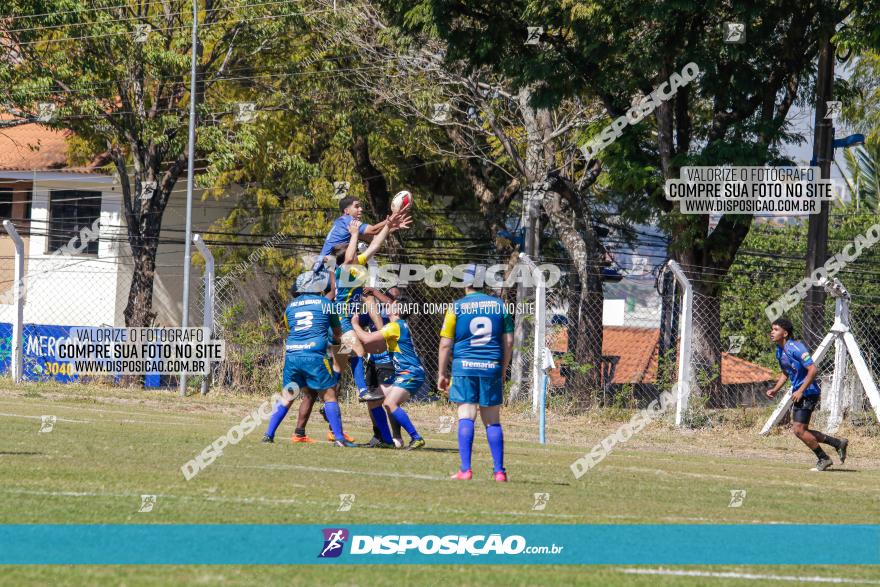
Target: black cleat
x: 823, y: 464
x: 268, y: 439
x: 841, y: 450
x: 415, y: 444
x: 375, y: 443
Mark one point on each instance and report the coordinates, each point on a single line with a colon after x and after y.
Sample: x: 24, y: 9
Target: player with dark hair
x: 798, y: 367
x: 477, y: 335
x: 409, y: 375
x: 351, y: 209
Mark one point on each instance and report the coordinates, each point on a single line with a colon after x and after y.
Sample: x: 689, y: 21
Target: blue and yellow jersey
x: 794, y: 360
x: 349, y: 289
x: 308, y: 319
x: 398, y: 338
x: 367, y: 323
x: 477, y: 324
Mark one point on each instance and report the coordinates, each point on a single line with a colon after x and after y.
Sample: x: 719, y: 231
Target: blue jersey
x: 366, y: 322
x: 477, y: 324
x: 308, y: 318
x: 339, y: 234
x: 350, y: 281
x: 794, y: 360
x: 399, y: 341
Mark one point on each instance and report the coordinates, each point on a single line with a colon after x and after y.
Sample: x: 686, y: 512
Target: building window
x: 28, y: 204
x: 69, y: 212
x: 5, y: 203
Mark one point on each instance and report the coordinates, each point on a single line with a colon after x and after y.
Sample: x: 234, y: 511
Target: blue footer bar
x: 440, y: 544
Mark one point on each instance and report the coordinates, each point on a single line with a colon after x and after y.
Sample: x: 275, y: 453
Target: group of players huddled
x: 334, y: 318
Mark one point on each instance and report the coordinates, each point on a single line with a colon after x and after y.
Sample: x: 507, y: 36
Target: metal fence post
x: 684, y: 343
x: 18, y: 301
x: 538, y: 373
x: 208, y: 300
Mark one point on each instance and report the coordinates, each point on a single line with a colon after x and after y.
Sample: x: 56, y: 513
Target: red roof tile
x: 32, y: 146
x: 637, y: 349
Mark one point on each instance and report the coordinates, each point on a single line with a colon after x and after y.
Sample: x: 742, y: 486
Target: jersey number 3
x: 303, y: 321
x: 481, y: 331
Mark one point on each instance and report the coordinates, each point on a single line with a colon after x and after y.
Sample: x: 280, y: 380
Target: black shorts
x: 802, y: 411
x: 379, y: 374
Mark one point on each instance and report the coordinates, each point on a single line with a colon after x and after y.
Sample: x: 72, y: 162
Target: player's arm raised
x: 351, y: 253
x: 374, y: 229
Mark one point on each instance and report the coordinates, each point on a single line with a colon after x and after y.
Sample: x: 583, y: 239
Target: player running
x: 479, y: 333
x: 797, y: 366
x: 306, y: 366
x: 409, y: 376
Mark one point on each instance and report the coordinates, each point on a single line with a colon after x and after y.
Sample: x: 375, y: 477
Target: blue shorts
x: 467, y: 389
x: 308, y: 370
x: 411, y: 382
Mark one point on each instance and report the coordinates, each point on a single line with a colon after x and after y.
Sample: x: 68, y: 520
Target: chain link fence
x: 615, y: 348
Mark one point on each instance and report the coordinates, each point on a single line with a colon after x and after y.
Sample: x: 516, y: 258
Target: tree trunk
x: 376, y: 188
x: 583, y: 377
x: 138, y: 311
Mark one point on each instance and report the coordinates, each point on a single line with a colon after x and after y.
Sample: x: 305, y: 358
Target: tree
x: 510, y: 149
x: 735, y: 113
x: 118, y: 76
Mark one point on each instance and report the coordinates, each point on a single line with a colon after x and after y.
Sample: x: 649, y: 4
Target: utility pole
x: 191, y: 147
x: 817, y: 234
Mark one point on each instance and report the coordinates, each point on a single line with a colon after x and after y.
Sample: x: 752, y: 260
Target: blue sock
x: 403, y: 419
x: 496, y: 445
x: 465, y: 442
x: 275, y: 419
x: 380, y: 419
x: 335, y: 418
x: 357, y: 371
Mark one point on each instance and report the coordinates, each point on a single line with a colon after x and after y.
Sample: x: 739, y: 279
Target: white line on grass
x: 126, y: 421
x: 160, y: 413
x: 164, y: 495
x: 749, y: 576
x: 341, y: 471
x: 40, y: 417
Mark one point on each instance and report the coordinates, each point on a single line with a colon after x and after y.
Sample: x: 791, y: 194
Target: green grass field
x: 110, y: 446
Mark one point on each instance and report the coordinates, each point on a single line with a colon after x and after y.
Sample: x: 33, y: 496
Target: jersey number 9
x: 481, y: 331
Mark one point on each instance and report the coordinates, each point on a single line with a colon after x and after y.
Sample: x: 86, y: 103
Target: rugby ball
x: 401, y: 201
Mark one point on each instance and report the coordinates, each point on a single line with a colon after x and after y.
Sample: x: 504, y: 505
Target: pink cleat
x: 463, y: 475
x: 500, y: 476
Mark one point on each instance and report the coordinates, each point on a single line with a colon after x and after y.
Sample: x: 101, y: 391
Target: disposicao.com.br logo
x: 453, y: 544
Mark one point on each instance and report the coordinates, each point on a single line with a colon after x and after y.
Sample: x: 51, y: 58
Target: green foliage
x: 760, y: 278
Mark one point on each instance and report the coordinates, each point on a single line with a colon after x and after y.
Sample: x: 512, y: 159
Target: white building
x: 51, y: 203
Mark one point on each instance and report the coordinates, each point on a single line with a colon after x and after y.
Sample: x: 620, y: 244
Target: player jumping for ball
x: 306, y: 366
x: 797, y: 366
x: 339, y: 233
x: 478, y: 334
x: 351, y: 274
x: 409, y: 376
